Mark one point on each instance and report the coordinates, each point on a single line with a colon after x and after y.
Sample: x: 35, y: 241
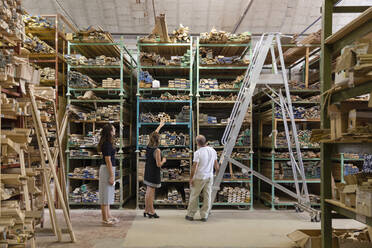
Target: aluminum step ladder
x: 252, y: 80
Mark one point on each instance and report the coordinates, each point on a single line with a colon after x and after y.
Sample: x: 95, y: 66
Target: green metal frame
x: 328, y: 50
x: 130, y: 65
x: 270, y: 105
x: 342, y: 161
x: 149, y: 102
x: 208, y: 92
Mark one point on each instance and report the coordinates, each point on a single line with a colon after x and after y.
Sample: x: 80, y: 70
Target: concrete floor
x: 225, y: 228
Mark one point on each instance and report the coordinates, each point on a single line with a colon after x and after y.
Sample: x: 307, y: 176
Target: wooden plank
x: 7, y: 221
x: 30, y: 172
x: 12, y: 212
x: 52, y: 165
x: 52, y: 212
x: 12, y: 179
x: 307, y: 68
x: 354, y: 24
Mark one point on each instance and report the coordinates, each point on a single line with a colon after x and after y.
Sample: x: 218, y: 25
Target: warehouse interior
x: 213, y: 123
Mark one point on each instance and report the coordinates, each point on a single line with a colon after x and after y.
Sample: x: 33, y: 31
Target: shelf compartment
x: 288, y: 159
x: 348, y: 212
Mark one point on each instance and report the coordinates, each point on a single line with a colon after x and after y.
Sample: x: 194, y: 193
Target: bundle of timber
x: 7, y: 70
x: 111, y: 83
x: 234, y: 195
x: 215, y: 36
x: 160, y: 33
x: 11, y: 24
x: 207, y: 58
x: 78, y: 59
x: 354, y: 65
x: 35, y: 45
x: 90, y: 34
x: 295, y: 53
x: 18, y: 214
x: 37, y: 22
x: 78, y: 80
x: 10, y: 107
x: 153, y: 59
x: 47, y: 74
x: 45, y: 92
x: 180, y: 35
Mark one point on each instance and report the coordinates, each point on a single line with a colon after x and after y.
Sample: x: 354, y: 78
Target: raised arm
x: 160, y: 126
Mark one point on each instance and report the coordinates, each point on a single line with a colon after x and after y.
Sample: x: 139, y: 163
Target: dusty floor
x: 225, y: 228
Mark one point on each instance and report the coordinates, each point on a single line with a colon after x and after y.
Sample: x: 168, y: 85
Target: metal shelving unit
x: 332, y: 43
x: 341, y: 160
x: 112, y: 96
x: 215, y: 131
x: 148, y: 101
x: 268, y: 122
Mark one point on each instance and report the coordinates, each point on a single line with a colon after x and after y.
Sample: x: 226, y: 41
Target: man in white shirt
x: 201, y: 179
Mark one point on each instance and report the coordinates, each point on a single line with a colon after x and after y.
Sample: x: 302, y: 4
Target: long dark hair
x: 154, y: 140
x: 106, y: 136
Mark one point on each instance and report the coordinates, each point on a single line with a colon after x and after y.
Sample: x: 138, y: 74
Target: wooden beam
x: 61, y: 157
x: 357, y: 90
x: 307, y: 68
x: 45, y: 175
x: 326, y: 149
x: 349, y: 9
x: 53, y: 167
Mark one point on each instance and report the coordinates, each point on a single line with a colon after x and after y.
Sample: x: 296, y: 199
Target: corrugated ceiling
x: 136, y: 16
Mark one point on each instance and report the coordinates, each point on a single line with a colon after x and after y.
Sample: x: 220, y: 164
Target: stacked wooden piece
x: 21, y: 200
x: 111, y: 83
x: 295, y: 53
x: 216, y: 36
x: 11, y: 24
x: 180, y: 35
x: 350, y: 121
x: 90, y: 34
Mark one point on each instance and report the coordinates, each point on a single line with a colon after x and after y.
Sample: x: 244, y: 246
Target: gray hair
x: 201, y: 140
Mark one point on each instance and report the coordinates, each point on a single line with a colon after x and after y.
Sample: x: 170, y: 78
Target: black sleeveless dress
x: 152, y: 172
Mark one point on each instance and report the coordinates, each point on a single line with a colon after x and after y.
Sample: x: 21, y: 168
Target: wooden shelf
x: 358, y: 27
x: 348, y: 212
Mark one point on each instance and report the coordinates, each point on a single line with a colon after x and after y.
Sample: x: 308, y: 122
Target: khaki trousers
x: 200, y: 185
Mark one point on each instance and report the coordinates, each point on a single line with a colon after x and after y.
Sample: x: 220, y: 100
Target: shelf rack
x: 148, y: 100
x: 265, y: 112
x: 340, y: 162
x: 112, y: 96
x: 56, y: 38
x: 332, y: 43
x: 222, y: 109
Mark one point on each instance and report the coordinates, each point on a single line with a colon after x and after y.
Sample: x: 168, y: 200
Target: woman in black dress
x: 107, y: 173
x: 152, y: 171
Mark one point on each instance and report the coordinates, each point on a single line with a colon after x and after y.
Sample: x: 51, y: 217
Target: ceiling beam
x: 241, y: 18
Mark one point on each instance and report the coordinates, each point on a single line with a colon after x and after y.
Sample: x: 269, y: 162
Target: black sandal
x: 155, y: 216
x: 145, y: 214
